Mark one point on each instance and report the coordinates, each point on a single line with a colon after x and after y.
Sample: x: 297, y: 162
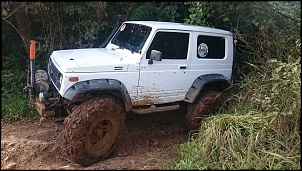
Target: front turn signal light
x: 73, y: 79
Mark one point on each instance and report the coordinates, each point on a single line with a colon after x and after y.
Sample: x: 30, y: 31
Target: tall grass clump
x: 260, y: 131
x: 14, y: 100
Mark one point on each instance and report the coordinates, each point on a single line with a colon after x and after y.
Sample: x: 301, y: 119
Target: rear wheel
x: 196, y: 111
x: 93, y: 130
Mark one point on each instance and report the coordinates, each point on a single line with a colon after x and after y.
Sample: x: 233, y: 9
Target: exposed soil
x: 150, y: 142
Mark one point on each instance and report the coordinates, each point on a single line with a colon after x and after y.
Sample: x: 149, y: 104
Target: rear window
x: 210, y: 47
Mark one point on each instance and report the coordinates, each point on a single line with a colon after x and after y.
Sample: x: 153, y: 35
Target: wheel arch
x: 109, y: 86
x: 208, y: 81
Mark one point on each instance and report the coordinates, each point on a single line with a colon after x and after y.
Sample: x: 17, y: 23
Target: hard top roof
x: 179, y: 26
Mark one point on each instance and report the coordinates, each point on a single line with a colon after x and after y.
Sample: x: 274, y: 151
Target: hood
x: 91, y: 60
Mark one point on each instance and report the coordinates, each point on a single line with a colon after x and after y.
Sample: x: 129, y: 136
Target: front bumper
x: 40, y: 107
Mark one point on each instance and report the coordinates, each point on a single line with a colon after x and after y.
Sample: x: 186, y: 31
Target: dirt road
x: 150, y: 142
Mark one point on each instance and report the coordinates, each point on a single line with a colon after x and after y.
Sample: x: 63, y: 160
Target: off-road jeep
x: 143, y: 67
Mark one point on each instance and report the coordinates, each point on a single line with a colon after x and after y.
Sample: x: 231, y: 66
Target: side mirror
x: 155, y: 55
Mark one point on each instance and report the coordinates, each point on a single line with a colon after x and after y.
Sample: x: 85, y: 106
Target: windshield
x: 131, y: 36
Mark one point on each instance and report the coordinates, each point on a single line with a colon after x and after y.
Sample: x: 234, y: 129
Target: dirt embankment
x: 149, y: 142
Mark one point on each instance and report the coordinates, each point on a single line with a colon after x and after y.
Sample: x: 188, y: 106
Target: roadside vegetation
x: 258, y: 126
x: 261, y: 129
x: 14, y: 100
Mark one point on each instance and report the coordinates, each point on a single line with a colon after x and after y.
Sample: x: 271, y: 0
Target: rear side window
x: 173, y: 45
x: 210, y: 47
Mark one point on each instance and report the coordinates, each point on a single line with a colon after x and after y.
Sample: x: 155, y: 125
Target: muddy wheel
x: 200, y: 108
x: 92, y: 130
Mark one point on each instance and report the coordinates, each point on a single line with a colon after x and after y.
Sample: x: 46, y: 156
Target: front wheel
x: 93, y: 130
x: 196, y: 111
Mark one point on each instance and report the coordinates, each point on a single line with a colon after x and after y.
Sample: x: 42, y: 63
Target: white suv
x: 143, y: 67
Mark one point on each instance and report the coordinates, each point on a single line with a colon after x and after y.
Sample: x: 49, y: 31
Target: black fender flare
x: 201, y: 82
x: 99, y: 85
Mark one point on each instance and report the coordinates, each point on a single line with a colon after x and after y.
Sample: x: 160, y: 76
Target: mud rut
x: 149, y: 142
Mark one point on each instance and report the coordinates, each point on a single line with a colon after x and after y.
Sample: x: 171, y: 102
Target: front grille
x: 54, y: 74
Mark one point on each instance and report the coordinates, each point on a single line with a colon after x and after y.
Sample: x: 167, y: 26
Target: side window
x: 210, y: 47
x: 172, y: 45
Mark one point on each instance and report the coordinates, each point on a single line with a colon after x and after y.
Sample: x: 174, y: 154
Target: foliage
x: 163, y: 11
x: 259, y: 131
x: 16, y: 56
x: 13, y: 53
x: 66, y: 25
x: 14, y: 100
x: 197, y: 15
x: 172, y: 12
x: 146, y: 11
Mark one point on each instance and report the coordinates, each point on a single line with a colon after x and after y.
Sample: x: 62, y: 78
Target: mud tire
x: 92, y: 130
x: 198, y: 110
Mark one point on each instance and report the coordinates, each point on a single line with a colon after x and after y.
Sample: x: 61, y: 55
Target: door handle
x: 182, y: 67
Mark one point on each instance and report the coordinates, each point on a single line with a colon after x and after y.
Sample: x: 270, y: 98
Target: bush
x: 14, y: 99
x: 260, y: 131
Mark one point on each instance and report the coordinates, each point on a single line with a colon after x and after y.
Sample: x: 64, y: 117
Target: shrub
x: 14, y: 100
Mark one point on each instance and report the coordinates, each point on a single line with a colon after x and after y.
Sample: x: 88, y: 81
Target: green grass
x: 14, y: 100
x: 257, y: 128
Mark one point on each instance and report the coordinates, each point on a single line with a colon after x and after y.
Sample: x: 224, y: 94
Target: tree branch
x: 19, y: 6
x: 17, y: 31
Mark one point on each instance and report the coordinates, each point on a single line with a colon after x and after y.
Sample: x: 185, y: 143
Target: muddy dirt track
x: 149, y: 143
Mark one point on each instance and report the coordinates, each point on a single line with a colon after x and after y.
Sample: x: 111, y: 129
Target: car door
x: 164, y: 81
